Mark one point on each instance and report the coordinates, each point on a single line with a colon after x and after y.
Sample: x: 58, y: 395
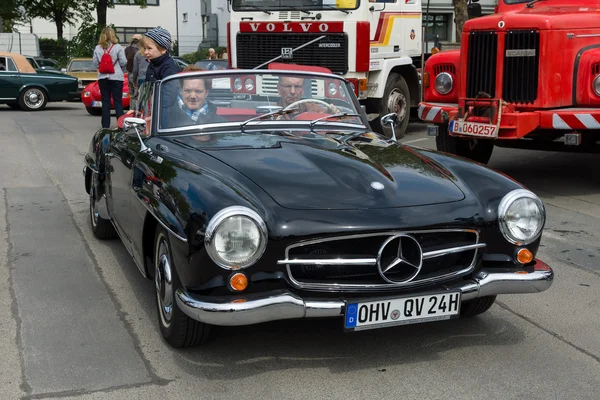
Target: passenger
x: 157, y: 44
x: 192, y: 106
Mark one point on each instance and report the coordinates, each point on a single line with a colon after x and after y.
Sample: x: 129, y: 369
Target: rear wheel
x: 479, y: 150
x: 477, y: 306
x: 177, y: 328
x: 93, y: 110
x: 33, y: 99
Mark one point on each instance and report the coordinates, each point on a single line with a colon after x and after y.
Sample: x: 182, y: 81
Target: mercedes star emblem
x: 400, y: 259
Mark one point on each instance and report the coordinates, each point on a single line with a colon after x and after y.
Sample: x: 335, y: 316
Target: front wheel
x: 176, y: 327
x: 93, y: 110
x: 479, y: 150
x: 102, y: 228
x: 477, y: 306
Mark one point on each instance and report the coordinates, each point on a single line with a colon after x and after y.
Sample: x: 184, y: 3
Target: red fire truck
x: 374, y: 44
x: 527, y: 76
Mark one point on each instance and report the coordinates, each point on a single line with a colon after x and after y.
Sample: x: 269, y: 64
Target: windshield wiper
x: 296, y: 9
x: 531, y: 3
x: 282, y: 111
x: 330, y: 7
x: 257, y: 8
x: 337, y: 116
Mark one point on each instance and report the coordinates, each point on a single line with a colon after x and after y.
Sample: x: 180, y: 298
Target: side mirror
x: 390, y: 119
x: 135, y: 123
x: 473, y: 10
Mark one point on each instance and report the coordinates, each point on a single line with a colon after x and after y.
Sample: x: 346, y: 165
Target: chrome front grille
x: 350, y: 263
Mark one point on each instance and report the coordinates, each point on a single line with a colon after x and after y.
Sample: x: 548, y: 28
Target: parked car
x: 46, y: 64
x: 92, y: 99
x: 212, y: 65
x: 252, y: 212
x: 22, y: 86
x: 181, y: 62
x: 82, y: 69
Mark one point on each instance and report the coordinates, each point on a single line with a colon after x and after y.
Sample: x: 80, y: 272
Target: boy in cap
x: 157, y: 44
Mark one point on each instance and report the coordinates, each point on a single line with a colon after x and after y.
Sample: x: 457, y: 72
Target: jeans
x: 110, y: 88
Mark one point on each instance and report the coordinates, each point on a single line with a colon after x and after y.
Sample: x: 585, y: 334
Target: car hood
x: 325, y: 173
x: 85, y: 76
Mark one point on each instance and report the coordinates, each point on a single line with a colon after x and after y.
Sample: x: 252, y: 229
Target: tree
x: 62, y: 12
x: 460, y: 16
x: 10, y: 15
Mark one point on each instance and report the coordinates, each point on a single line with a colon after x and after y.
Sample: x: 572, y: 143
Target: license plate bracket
x: 382, y: 313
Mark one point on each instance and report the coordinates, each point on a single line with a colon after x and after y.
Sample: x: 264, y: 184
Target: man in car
x: 192, y: 107
x: 291, y: 90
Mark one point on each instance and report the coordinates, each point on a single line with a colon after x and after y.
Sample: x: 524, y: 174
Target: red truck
x: 527, y: 76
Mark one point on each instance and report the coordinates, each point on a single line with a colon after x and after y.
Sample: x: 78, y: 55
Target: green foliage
x: 201, y: 54
x: 61, y: 12
x: 86, y: 40
x: 9, y: 15
x: 56, y: 49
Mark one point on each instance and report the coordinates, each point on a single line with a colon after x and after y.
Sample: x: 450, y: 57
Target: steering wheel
x: 304, y: 101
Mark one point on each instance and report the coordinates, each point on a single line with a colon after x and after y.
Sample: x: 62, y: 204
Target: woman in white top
x: 111, y: 84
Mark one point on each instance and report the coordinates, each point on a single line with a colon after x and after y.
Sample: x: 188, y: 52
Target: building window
x: 185, y: 17
x: 132, y: 2
x: 125, y: 34
x: 437, y: 24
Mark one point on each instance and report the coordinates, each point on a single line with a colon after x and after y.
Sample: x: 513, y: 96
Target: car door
x: 123, y: 150
x: 10, y: 79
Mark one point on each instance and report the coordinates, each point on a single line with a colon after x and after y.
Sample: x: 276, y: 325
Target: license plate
x: 96, y: 104
x: 432, y: 130
x: 473, y: 129
x: 401, y: 311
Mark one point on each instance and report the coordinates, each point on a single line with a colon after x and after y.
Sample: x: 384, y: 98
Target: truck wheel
x: 396, y: 99
x: 33, y: 99
x: 93, y: 111
x: 176, y: 327
x: 479, y: 150
x: 470, y: 308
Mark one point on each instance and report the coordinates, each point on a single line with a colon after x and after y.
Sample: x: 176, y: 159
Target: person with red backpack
x: 109, y: 58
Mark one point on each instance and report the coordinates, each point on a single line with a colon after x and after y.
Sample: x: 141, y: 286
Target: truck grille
x: 521, y: 66
x: 455, y: 256
x: 257, y: 48
x: 481, y: 64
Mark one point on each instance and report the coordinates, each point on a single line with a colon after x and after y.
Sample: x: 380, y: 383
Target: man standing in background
x: 130, y: 52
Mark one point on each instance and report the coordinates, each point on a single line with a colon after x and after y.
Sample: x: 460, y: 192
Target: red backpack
x: 106, y: 63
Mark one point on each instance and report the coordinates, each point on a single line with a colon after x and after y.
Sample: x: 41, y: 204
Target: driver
x: 290, y: 90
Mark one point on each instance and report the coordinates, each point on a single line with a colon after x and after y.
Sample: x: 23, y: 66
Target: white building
x: 202, y: 24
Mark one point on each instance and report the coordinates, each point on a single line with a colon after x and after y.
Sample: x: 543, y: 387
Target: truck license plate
x: 473, y: 129
x: 401, y: 311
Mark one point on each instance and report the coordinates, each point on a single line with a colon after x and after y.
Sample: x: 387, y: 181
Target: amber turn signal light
x: 238, y: 282
x: 426, y: 79
x: 524, y: 256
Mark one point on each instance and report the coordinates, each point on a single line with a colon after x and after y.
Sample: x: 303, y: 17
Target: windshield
x: 243, y: 100
x: 212, y: 65
x: 257, y: 5
x: 82, y: 66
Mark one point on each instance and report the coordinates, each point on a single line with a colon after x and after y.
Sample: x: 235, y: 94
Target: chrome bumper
x: 283, y: 304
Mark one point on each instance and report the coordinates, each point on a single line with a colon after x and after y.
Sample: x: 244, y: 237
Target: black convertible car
x: 279, y: 202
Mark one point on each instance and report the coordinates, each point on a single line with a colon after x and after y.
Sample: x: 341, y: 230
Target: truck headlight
x: 444, y: 83
x: 596, y: 85
x: 236, y: 237
x: 522, y: 216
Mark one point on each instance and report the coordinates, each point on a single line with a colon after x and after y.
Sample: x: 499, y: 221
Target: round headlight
x: 522, y: 216
x: 332, y: 88
x: 444, y: 83
x: 249, y: 84
x: 596, y: 85
x: 237, y: 83
x: 236, y: 237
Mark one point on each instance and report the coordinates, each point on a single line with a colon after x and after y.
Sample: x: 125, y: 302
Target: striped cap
x: 161, y: 36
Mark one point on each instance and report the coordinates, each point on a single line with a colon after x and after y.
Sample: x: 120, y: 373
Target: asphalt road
x: 78, y: 319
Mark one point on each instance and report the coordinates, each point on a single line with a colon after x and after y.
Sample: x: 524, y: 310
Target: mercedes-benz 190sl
x: 278, y: 201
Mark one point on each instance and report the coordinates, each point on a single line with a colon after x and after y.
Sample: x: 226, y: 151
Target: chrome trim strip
x: 283, y: 304
x: 333, y: 261
x: 452, y: 250
x: 589, y: 35
x: 158, y: 219
x: 341, y: 287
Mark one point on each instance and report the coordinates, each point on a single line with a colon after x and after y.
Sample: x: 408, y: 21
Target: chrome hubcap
x: 34, y: 98
x: 397, y: 104
x: 163, y: 282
